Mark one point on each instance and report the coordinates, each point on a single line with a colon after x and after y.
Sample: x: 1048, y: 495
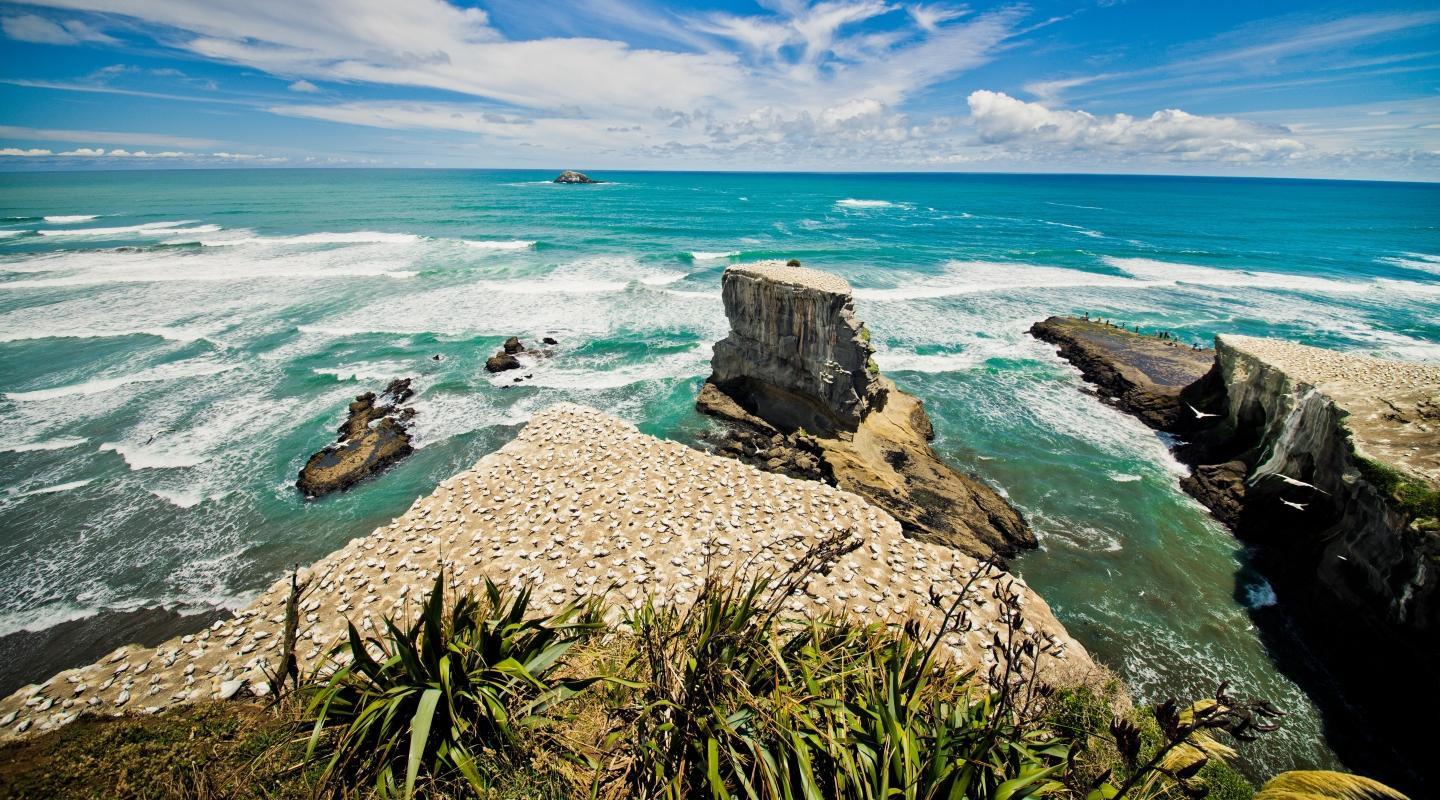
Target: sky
x: 1268, y: 88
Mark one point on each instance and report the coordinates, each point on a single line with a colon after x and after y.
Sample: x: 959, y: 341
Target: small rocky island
x: 571, y: 176
x: 375, y: 435
x: 800, y: 394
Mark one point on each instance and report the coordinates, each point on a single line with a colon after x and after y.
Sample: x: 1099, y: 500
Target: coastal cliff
x: 578, y: 505
x: 795, y: 382
x: 1342, y: 464
x: 1327, y: 465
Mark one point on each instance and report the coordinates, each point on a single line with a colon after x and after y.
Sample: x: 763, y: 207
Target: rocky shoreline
x: 1328, y: 466
x: 799, y: 391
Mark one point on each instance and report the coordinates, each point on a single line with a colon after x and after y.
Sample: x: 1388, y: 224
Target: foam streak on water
x: 164, y: 373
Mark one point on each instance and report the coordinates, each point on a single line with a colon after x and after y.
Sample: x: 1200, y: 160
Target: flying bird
x: 1198, y: 413
x: 1296, y: 506
x: 1299, y: 483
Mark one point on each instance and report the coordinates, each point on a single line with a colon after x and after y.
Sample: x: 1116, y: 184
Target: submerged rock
x: 375, y: 435
x: 802, y: 395
x: 571, y: 176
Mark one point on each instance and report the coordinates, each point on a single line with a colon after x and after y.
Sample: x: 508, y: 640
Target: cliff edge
x: 802, y: 396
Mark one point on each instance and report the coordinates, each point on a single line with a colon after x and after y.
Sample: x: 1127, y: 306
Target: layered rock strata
x: 1328, y: 465
x: 578, y: 504
x: 797, y: 385
x: 375, y: 435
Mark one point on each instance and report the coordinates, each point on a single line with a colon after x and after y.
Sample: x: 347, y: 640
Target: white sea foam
x: 1122, y: 477
x: 1167, y: 272
x: 364, y: 370
x: 164, y: 372
x: 905, y: 361
x: 688, y: 363
x: 185, y: 498
x: 1260, y: 595
x: 83, y: 331
x: 350, y: 237
x: 154, y: 228
x: 60, y: 443
x: 703, y: 255
x: 61, y: 487
x: 509, y: 244
x: 851, y: 202
x: 970, y: 277
x: 90, y: 267
x: 68, y: 219
x: 1080, y: 229
x: 11, y: 234
x: 1422, y: 262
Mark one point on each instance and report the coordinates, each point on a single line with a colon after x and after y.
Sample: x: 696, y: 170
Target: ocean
x: 175, y: 344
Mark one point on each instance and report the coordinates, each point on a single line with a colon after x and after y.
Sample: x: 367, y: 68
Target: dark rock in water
x: 571, y: 176
x: 1221, y: 488
x: 549, y: 340
x: 1145, y: 375
x: 501, y: 361
x: 436, y: 357
x: 513, y: 346
x: 802, y: 396
x: 375, y: 435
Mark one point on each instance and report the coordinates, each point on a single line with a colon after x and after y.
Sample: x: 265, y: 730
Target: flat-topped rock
x: 1392, y: 407
x: 1144, y: 374
x: 578, y: 504
x: 800, y: 277
x: 796, y: 382
x: 796, y: 354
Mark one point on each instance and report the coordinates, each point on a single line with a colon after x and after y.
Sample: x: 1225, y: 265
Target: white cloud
x: 303, y: 86
x: 35, y: 28
x: 1001, y: 119
x: 103, y: 137
x: 121, y: 153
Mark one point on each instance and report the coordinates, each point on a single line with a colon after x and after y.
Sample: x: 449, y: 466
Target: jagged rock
x: 796, y: 383
x: 513, y: 345
x: 500, y: 362
x: 375, y: 435
x: 571, y: 176
x: 1220, y: 487
x: 550, y: 341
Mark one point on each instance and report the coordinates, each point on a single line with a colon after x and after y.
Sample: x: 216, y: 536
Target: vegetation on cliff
x: 727, y: 697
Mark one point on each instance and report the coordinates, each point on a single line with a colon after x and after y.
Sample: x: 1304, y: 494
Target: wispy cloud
x: 103, y: 137
x: 38, y: 29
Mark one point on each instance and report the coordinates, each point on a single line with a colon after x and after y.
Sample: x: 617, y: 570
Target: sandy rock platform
x: 580, y: 503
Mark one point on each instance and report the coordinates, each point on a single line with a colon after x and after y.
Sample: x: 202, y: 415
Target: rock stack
x: 375, y: 435
x: 801, y: 395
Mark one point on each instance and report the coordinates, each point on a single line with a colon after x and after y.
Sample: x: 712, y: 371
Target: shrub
x: 739, y: 701
x: 457, y: 684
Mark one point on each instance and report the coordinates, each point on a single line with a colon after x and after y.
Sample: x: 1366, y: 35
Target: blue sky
x: 1226, y: 88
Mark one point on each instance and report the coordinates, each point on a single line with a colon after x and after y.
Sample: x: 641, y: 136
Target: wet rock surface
x: 1145, y: 375
x: 799, y: 394
x: 375, y: 435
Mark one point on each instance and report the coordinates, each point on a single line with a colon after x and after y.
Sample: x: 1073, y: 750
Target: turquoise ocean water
x: 173, y: 345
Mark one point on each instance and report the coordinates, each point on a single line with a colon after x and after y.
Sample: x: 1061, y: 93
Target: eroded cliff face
x: 796, y: 353
x: 795, y: 382
x: 1364, y: 548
